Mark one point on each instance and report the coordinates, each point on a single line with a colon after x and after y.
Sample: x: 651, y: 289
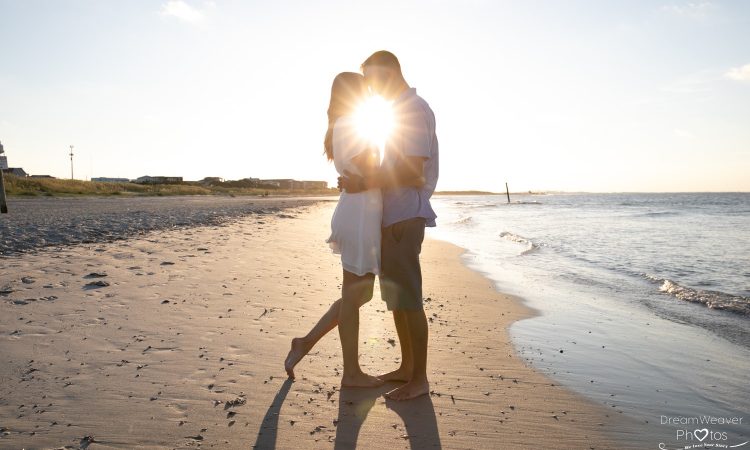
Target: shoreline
x: 610, y: 335
x: 554, y: 407
x: 161, y: 357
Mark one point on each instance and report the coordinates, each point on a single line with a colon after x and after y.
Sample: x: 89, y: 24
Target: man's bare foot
x: 297, y: 352
x: 410, y: 390
x: 361, y: 380
x: 400, y: 374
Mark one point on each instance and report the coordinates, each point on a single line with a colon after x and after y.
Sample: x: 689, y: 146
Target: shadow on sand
x: 355, y: 404
x: 269, y: 427
x: 418, y: 416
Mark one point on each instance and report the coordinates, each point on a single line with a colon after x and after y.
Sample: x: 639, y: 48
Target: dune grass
x: 15, y: 186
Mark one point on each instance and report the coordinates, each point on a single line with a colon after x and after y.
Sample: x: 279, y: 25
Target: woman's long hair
x: 348, y: 91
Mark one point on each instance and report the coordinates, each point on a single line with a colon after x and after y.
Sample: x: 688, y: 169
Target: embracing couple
x: 379, y: 223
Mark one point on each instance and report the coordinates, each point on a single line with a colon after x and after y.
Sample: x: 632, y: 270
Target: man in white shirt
x: 411, y: 153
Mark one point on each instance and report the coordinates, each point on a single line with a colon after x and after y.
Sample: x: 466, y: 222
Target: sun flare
x: 374, y: 120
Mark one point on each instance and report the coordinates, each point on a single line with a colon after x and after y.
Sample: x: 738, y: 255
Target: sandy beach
x: 177, y: 338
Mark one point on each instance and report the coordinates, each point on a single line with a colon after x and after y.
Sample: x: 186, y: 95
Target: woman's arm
x: 409, y: 173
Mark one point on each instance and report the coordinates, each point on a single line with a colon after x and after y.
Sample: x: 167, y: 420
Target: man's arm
x: 409, y: 171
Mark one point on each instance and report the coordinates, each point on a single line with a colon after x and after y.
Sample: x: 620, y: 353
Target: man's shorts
x: 400, y: 273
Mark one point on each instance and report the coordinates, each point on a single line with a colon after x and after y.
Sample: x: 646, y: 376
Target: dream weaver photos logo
x: 702, y: 432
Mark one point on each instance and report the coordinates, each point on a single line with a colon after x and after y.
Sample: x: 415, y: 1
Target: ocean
x: 643, y: 299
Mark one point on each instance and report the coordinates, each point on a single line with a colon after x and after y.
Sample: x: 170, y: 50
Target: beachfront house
x: 3, y: 159
x: 110, y: 180
x: 309, y: 185
x: 287, y: 183
x: 16, y: 171
x: 211, y: 181
x: 243, y: 183
x: 147, y: 179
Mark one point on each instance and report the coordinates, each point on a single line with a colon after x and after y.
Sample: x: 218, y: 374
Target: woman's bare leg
x: 301, y: 346
x: 354, y: 290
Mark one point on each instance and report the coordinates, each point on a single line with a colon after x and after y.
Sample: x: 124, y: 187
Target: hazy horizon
x: 584, y: 96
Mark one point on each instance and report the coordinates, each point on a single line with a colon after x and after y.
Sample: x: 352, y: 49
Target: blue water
x: 648, y: 295
x: 671, y: 248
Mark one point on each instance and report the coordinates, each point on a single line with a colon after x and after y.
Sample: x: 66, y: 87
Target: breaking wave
x: 660, y: 214
x: 712, y: 299
x: 530, y: 246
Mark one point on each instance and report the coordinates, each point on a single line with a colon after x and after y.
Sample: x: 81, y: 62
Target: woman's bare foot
x: 298, y: 351
x: 410, y: 390
x: 400, y: 374
x: 361, y: 380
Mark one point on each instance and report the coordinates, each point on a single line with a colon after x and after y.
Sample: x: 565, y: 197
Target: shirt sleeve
x: 416, y: 134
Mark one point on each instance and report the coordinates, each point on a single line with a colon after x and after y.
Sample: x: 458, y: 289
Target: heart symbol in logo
x: 705, y: 434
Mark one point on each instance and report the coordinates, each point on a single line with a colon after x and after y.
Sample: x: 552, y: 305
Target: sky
x: 598, y: 96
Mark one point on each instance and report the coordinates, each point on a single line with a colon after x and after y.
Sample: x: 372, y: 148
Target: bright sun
x: 374, y: 120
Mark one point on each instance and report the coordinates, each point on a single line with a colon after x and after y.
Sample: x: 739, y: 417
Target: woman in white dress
x: 355, y: 231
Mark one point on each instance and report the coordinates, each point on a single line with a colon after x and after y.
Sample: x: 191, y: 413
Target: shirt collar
x: 410, y: 92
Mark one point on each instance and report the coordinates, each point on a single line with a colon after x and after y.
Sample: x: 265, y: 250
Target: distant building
x: 287, y: 183
x: 250, y: 182
x: 315, y: 185
x: 243, y: 183
x: 3, y: 158
x: 41, y: 176
x: 211, y: 180
x: 16, y: 171
x: 110, y: 180
x: 158, y: 180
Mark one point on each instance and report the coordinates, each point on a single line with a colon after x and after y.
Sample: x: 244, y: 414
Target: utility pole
x: 507, y: 192
x: 3, y: 202
x: 71, y: 162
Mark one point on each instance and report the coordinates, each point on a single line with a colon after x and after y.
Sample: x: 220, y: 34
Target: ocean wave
x: 530, y: 246
x: 468, y: 220
x: 659, y: 214
x: 521, y: 202
x: 712, y: 299
x: 469, y: 205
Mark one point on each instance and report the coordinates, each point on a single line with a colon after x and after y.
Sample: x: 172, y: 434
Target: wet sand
x: 177, y: 339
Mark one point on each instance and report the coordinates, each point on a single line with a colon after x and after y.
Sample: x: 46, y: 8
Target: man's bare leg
x: 302, y: 346
x: 417, y: 384
x: 354, y: 289
x: 403, y: 373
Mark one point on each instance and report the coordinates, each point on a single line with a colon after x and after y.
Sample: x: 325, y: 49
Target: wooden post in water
x: 3, y: 203
x: 507, y: 192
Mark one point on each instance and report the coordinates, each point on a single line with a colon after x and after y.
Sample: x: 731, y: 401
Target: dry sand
x: 185, y: 346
